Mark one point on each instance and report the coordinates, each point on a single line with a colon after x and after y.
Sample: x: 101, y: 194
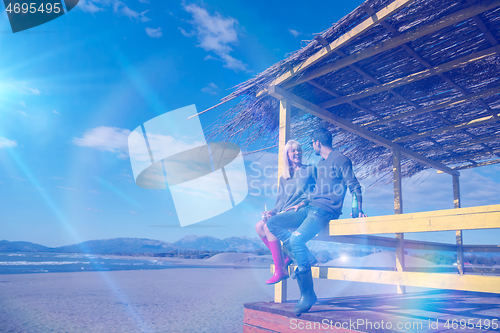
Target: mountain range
x: 142, y: 245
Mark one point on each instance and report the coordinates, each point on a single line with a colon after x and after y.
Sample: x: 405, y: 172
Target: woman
x: 294, y: 185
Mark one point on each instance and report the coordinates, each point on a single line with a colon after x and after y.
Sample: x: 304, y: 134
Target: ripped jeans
x: 308, y: 220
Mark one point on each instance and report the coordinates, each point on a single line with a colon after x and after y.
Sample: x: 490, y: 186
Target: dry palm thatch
x: 453, y: 109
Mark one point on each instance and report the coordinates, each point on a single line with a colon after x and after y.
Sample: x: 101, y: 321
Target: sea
x: 42, y: 262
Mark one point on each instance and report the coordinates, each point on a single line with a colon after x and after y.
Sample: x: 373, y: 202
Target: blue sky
x: 71, y: 91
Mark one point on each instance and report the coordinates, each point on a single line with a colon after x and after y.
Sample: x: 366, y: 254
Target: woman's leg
x: 269, y: 235
x: 278, y: 224
x: 259, y: 227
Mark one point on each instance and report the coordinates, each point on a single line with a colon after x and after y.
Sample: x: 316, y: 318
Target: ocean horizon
x: 45, y: 262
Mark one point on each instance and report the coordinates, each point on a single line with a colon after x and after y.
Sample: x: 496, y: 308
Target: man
x: 334, y: 176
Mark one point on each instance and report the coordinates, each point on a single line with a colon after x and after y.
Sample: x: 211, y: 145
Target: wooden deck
x: 435, y: 311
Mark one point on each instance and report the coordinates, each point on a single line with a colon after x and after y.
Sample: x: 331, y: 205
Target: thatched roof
x: 425, y: 78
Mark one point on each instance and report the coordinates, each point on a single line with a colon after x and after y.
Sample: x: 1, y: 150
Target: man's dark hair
x: 323, y: 136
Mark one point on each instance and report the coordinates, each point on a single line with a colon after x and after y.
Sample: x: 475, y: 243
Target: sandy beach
x: 165, y: 300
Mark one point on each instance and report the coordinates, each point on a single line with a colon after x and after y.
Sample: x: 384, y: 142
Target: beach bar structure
x: 405, y: 85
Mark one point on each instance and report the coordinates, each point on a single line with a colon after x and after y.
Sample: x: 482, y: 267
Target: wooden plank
x: 353, y: 128
x: 370, y: 22
x: 264, y: 320
x: 272, y: 322
x: 452, y: 128
x: 481, y: 217
x: 389, y: 242
x: 410, y: 35
x: 254, y: 329
x: 479, y: 283
x: 441, y: 105
x: 481, y: 248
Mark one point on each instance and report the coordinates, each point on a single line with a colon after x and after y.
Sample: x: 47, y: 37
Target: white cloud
x: 94, y: 210
x: 211, y: 89
x: 295, y: 33
x: 22, y: 104
x: 154, y: 33
x: 22, y: 87
x: 6, y: 143
x: 215, y: 34
x: 54, y: 111
x: 132, y: 212
x: 104, y: 138
x: 23, y: 113
x: 119, y: 8
x: 67, y: 188
x: 89, y: 7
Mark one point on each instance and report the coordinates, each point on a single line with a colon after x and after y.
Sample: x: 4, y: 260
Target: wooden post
x: 280, y: 288
x: 458, y: 233
x: 284, y: 131
x: 398, y: 209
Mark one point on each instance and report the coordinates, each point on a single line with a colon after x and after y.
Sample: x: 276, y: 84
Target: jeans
x: 308, y: 220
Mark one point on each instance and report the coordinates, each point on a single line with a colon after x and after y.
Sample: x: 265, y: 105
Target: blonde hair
x: 286, y: 168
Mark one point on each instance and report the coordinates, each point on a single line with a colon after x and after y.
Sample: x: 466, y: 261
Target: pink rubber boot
x: 288, y: 260
x: 280, y: 270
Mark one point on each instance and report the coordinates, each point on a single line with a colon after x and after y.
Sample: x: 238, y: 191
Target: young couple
x: 308, y: 198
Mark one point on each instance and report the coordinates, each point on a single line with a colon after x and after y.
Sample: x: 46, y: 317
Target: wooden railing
x: 360, y: 231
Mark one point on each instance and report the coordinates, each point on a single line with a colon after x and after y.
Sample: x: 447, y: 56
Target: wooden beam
x: 416, y: 56
x: 465, y: 144
x: 470, y: 166
x: 482, y: 217
x: 478, y: 283
x: 441, y: 105
x: 483, y: 27
x: 371, y: 112
x: 374, y: 80
x: 284, y: 132
x: 315, y: 110
x: 408, y: 36
x: 452, y: 128
x: 457, y: 63
x: 367, y: 24
x: 474, y: 156
x: 333, y: 93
